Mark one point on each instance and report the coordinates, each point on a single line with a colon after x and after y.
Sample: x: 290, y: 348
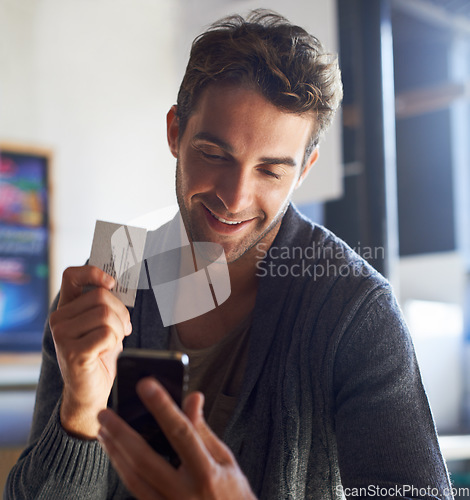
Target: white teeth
x: 226, y: 221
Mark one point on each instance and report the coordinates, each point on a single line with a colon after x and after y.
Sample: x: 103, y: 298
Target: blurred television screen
x: 24, y: 248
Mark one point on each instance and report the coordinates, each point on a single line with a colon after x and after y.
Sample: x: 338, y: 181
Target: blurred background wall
x: 92, y: 81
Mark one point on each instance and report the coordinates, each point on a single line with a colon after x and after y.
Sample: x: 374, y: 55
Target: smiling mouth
x: 225, y: 221
x: 230, y: 222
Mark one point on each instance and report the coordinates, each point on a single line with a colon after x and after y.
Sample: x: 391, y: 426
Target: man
x: 319, y: 393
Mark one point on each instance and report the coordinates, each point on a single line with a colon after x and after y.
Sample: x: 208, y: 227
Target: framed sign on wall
x: 25, y: 235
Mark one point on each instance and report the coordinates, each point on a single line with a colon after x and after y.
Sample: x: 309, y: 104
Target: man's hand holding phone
x: 171, y: 369
x: 208, y: 469
x: 88, y: 330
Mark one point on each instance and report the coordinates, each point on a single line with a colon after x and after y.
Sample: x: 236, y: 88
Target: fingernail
x: 129, y: 328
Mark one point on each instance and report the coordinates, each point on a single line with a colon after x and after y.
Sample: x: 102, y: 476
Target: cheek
x: 197, y: 179
x: 274, y: 199
x: 274, y: 202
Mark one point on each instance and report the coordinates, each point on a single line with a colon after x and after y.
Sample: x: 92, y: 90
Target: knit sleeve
x: 386, y: 438
x: 59, y: 466
x: 54, y: 464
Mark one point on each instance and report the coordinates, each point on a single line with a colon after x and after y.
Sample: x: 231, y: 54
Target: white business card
x: 118, y: 250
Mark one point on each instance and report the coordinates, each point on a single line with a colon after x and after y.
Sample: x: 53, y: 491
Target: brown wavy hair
x: 266, y: 52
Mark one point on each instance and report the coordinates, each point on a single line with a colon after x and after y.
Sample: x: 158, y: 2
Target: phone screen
x: 171, y: 370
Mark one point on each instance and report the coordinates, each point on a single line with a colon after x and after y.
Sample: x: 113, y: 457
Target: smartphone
x: 171, y: 369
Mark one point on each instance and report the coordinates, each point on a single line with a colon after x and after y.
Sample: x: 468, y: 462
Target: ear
x: 310, y: 162
x: 172, y: 130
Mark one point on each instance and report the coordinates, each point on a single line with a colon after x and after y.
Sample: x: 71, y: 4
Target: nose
x: 236, y: 190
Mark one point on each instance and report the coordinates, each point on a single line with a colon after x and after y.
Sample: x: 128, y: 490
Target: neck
x: 209, y: 328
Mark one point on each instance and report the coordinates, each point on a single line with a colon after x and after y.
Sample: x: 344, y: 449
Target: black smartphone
x: 171, y: 369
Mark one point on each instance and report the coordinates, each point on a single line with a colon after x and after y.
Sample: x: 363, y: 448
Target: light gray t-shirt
x: 217, y: 371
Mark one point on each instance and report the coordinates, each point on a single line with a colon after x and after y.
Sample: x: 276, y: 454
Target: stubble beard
x: 193, y: 233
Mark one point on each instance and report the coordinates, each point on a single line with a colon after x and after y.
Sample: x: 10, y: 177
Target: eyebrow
x: 207, y: 136
x: 285, y: 160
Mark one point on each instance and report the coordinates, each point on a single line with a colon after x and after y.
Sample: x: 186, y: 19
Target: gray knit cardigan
x: 332, y: 399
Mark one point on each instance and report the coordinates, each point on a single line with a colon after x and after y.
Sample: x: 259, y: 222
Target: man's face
x: 238, y: 162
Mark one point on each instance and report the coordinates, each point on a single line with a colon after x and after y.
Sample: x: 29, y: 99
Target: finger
x: 193, y: 408
x: 177, y: 427
x: 141, y: 468
x: 90, y: 310
x: 89, y: 300
x: 133, y: 481
x: 99, y: 316
x: 82, y: 352
x: 75, y: 278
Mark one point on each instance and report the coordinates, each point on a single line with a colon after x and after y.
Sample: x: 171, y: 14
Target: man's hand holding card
x: 88, y: 328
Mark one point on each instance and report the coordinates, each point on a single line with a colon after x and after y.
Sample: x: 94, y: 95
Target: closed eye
x: 270, y: 173
x: 214, y: 157
x: 210, y: 156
